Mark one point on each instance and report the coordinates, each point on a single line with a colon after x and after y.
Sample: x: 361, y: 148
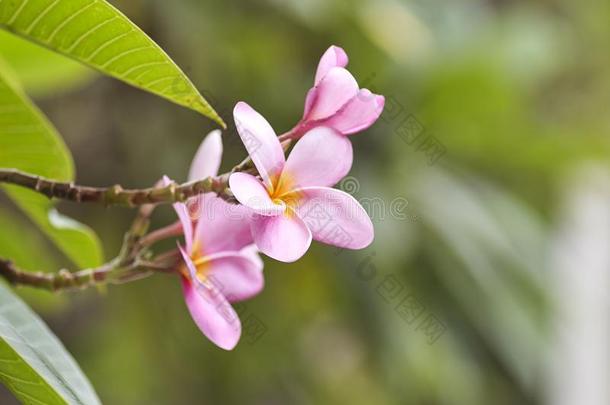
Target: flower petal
x: 252, y: 252
x: 333, y: 57
x: 183, y: 214
x: 321, y: 157
x: 249, y: 191
x: 208, y: 157
x: 235, y: 275
x: 334, y: 90
x: 210, y: 310
x: 335, y: 217
x: 260, y: 140
x: 221, y: 226
x: 358, y: 114
x: 187, y: 225
x: 312, y: 94
x: 283, y: 237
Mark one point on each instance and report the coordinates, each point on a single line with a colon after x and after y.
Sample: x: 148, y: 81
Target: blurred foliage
x: 518, y: 94
x: 41, y: 72
x: 29, y: 142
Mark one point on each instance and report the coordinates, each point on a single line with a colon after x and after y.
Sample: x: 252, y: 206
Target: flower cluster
x: 281, y: 207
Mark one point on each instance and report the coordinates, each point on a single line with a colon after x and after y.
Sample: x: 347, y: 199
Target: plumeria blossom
x: 294, y: 202
x: 336, y: 100
x: 220, y: 263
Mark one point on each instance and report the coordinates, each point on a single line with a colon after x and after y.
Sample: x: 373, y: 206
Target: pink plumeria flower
x: 220, y: 263
x: 336, y: 100
x: 294, y: 194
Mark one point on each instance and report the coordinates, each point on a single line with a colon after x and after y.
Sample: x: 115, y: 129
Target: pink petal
x: 164, y: 182
x: 208, y: 157
x: 283, y: 237
x: 187, y: 224
x: 251, y: 251
x: 235, y: 275
x: 333, y: 57
x: 358, y: 114
x: 183, y: 214
x: 335, y: 217
x: 260, y: 140
x: 312, y: 94
x: 210, y: 310
x: 336, y: 88
x: 221, y: 226
x: 249, y: 191
x: 321, y: 157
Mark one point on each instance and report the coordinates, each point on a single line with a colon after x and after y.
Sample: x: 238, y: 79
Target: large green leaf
x: 34, y: 365
x: 97, y: 34
x: 30, y: 143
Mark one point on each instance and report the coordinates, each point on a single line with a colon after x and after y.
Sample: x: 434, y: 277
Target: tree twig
x: 62, y: 280
x: 117, y: 195
x: 131, y: 263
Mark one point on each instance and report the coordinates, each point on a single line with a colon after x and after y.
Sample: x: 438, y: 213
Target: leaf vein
x: 108, y: 43
x: 124, y: 53
x: 17, y: 12
x: 69, y: 20
x: 89, y: 32
x: 161, y: 80
x: 24, y: 394
x: 19, y: 380
x: 40, y: 17
x: 140, y: 66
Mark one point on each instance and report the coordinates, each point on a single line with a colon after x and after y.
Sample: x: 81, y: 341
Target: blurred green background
x: 479, y: 285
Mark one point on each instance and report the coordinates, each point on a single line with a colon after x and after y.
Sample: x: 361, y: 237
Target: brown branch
x: 62, y: 280
x: 110, y: 273
x: 117, y: 195
x: 131, y: 263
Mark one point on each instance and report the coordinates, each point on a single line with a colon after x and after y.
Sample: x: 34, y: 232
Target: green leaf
x: 34, y: 364
x: 97, y: 34
x: 18, y: 245
x: 30, y: 143
x: 41, y: 71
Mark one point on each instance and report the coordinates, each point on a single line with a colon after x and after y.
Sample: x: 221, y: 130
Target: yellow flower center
x: 201, y: 262
x: 281, y: 191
